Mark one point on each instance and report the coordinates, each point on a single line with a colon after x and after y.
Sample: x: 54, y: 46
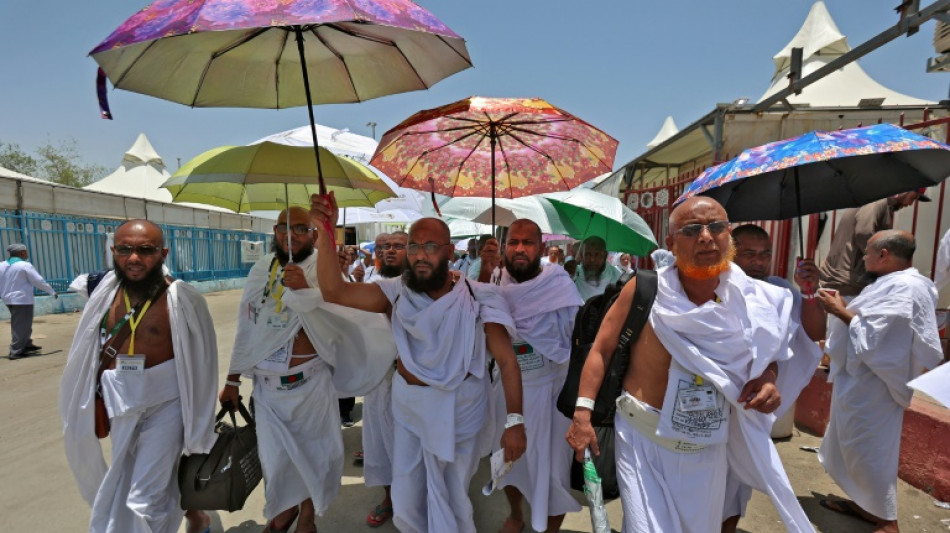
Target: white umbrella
x: 507, y: 210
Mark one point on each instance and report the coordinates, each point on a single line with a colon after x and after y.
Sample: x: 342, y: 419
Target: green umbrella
x: 271, y: 176
x: 585, y: 213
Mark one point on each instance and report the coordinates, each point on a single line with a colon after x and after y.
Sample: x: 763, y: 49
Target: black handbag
x: 223, y: 478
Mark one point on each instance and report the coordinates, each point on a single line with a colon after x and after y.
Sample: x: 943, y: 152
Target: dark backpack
x: 586, y: 325
x: 93, y: 279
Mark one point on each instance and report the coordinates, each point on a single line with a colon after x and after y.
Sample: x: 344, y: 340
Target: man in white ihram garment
x: 703, y: 365
x: 378, y: 427
x: 444, y: 328
x: 594, y: 272
x: 543, y: 303
x: 154, y: 345
x: 301, y: 352
x: 754, y: 257
x: 878, y: 342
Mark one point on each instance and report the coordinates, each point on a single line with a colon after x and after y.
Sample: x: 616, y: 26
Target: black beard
x: 440, y: 274
x: 145, y: 286
x: 284, y: 258
x: 522, y: 275
x: 594, y: 276
x: 390, y: 271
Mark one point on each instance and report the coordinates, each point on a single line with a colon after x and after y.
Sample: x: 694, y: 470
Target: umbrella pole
x: 298, y: 32
x: 492, y: 135
x: 290, y: 245
x: 798, y: 207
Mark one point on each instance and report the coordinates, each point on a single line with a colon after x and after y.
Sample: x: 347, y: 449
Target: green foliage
x: 59, y: 163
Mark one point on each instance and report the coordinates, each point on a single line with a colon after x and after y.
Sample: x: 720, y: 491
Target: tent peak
x: 143, y: 152
x: 818, y: 36
x: 667, y: 130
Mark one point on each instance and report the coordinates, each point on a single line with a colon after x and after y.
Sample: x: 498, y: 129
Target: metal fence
x: 65, y: 246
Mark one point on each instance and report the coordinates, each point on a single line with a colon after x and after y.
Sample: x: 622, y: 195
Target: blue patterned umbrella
x: 822, y: 171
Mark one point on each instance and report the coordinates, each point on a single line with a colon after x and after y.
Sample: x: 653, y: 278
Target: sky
x: 621, y: 65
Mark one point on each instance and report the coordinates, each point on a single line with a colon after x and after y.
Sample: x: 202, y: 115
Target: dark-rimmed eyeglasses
x: 145, y: 250
x: 430, y: 248
x: 693, y: 230
x: 398, y: 246
x: 298, y: 229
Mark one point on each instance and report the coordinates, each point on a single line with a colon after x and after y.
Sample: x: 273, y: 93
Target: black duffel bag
x: 222, y: 479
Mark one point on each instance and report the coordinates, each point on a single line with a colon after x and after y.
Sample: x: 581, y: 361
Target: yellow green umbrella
x: 271, y: 176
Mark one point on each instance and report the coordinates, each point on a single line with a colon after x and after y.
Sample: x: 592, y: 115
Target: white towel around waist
x: 645, y: 418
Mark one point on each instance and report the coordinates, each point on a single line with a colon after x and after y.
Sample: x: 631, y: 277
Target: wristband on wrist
x: 586, y: 403
x: 233, y: 383
x: 514, y: 419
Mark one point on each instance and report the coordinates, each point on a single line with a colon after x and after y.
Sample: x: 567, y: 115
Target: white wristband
x: 233, y: 383
x: 586, y: 403
x: 514, y: 419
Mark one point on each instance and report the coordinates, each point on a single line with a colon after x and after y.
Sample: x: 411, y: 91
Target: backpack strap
x: 638, y: 314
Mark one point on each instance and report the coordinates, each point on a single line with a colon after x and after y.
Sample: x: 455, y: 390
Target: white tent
x: 822, y: 42
x: 140, y: 175
x: 667, y: 130
x: 7, y: 173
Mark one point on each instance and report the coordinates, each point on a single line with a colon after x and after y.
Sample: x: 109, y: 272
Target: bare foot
x: 512, y: 525
x: 197, y: 521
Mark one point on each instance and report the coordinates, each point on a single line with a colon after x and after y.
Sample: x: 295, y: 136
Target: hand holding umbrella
x: 324, y: 213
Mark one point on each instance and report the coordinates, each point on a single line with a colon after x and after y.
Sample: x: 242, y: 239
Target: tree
x: 60, y: 163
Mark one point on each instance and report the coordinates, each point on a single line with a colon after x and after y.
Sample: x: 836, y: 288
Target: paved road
x: 37, y: 491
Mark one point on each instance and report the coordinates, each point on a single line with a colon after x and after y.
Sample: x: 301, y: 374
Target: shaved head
x: 700, y: 238
x: 528, y: 225
x: 146, y: 227
x: 436, y: 225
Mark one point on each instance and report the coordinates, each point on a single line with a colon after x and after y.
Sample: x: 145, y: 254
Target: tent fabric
x: 667, y: 130
x: 140, y: 175
x: 822, y: 43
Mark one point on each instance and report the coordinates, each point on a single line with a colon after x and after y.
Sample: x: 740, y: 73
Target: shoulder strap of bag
x: 639, y: 312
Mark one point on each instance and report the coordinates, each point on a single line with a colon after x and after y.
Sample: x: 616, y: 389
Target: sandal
x: 379, y: 516
x: 846, y: 508
x: 271, y: 528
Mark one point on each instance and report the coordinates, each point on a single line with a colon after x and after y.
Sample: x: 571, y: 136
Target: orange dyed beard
x: 703, y: 273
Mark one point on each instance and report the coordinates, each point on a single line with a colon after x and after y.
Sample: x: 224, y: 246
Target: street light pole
x: 373, y: 126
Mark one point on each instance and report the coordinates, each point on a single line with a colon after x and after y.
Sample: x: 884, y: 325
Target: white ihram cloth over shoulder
x: 438, y: 427
x: 892, y: 340
x: 356, y: 344
x: 589, y: 289
x: 543, y: 309
x: 727, y: 344
x: 441, y: 342
x: 196, y: 376
x: 792, y: 379
x: 379, y: 428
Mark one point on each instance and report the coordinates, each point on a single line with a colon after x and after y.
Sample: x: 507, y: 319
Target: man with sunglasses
x: 882, y: 339
x: 143, y: 368
x: 18, y: 278
x: 700, y: 382
x: 297, y: 351
x: 445, y: 329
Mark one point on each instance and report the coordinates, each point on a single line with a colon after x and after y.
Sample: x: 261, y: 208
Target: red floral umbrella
x: 494, y: 147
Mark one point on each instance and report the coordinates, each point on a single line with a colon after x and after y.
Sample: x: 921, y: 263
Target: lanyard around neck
x: 279, y: 291
x: 133, y: 321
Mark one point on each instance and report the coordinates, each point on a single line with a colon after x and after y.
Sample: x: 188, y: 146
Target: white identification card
x: 280, y: 356
x: 528, y: 359
x: 132, y: 364
x: 696, y: 398
x: 278, y: 321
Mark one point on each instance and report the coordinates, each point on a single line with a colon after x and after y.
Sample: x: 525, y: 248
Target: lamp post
x: 372, y: 125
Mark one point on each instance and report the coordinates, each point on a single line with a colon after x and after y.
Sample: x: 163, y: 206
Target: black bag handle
x: 220, y: 453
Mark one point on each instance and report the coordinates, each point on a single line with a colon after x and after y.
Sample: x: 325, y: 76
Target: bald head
x: 297, y: 214
x: 143, y: 228
x: 524, y: 224
x: 898, y: 244
x: 433, y: 226
x: 693, y: 206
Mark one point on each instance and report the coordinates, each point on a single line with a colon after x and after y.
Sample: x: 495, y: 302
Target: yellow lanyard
x: 279, y: 291
x: 133, y: 322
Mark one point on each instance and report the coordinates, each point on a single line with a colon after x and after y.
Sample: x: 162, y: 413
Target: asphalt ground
x: 37, y: 492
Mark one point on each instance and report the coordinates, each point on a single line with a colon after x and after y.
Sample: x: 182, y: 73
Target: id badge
x: 280, y: 356
x: 278, y: 321
x: 130, y: 364
x: 696, y: 398
x: 528, y: 359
